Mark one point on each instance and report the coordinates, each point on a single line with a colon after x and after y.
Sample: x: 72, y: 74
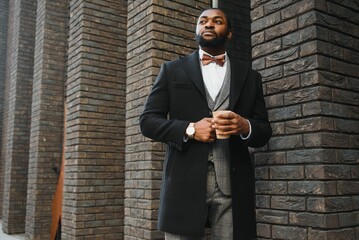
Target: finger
x: 227, y: 128
x: 224, y: 122
x: 226, y: 115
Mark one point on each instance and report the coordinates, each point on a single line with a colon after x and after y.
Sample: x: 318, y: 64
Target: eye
x: 218, y: 22
x: 201, y: 22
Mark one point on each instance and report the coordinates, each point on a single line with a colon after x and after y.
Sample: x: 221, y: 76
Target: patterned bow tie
x: 220, y: 59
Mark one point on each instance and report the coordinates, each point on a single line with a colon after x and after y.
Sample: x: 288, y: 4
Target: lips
x: 209, y: 33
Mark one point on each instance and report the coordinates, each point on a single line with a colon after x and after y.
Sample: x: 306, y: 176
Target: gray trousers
x: 220, y: 211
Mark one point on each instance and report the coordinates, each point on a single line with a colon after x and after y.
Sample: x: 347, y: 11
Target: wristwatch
x: 190, y: 131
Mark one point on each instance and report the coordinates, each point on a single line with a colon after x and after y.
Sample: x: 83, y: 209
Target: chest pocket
x: 182, y: 85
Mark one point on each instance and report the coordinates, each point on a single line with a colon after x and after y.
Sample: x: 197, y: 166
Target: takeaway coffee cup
x: 215, y: 116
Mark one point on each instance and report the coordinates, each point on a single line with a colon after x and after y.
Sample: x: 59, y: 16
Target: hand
x: 204, y: 130
x: 230, y: 123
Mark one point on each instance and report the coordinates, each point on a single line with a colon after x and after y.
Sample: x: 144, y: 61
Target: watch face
x: 190, y: 130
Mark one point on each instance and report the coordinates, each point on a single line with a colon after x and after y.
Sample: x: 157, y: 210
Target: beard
x: 214, y: 42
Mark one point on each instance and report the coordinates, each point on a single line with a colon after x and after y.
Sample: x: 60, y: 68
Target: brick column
x: 18, y: 100
x: 308, y: 182
x: 94, y: 165
x: 47, y: 114
x: 158, y: 31
x: 4, y: 8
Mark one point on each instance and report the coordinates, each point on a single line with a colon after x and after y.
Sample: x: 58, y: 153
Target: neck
x: 214, y: 51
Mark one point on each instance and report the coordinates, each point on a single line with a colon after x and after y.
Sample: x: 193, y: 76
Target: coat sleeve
x: 261, y: 129
x: 154, y: 122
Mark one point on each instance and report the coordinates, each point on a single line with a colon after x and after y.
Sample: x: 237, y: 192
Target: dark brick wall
x: 95, y: 97
x: 103, y: 63
x: 4, y: 8
x: 15, y: 148
x: 308, y: 55
x: 47, y: 114
x: 158, y: 31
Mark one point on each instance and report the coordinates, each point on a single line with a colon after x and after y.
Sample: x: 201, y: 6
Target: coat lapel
x: 238, y: 77
x: 239, y: 72
x: 192, y: 68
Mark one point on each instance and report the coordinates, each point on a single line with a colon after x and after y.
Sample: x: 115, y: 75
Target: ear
x: 229, y: 35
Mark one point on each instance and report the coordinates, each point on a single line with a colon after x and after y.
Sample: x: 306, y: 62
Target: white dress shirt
x: 213, y: 75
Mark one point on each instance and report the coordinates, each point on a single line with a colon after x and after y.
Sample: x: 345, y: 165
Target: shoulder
x: 184, y: 59
x: 243, y: 66
x: 183, y: 62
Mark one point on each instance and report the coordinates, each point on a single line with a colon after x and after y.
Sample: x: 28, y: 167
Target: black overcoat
x: 178, y: 98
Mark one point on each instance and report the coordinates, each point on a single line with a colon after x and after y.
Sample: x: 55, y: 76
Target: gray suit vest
x: 219, y: 153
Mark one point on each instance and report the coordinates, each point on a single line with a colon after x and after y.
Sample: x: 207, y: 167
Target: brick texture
x: 4, y: 8
x: 18, y: 88
x: 47, y: 115
x: 307, y: 181
x: 95, y: 95
x: 101, y: 58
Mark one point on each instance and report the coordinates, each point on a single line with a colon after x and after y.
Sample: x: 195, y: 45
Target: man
x: 207, y: 180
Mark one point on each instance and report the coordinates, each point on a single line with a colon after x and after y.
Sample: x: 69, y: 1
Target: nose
x: 209, y: 24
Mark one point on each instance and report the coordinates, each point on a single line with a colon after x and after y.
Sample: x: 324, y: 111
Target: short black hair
x: 229, y: 23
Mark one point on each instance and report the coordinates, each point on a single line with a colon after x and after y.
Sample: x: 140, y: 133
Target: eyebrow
x: 215, y: 17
